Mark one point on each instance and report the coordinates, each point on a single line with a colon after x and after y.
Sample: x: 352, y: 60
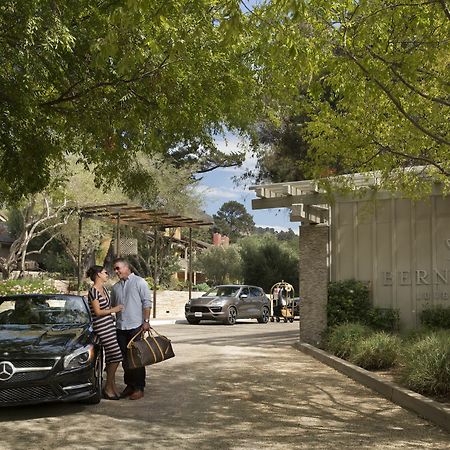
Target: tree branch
x: 421, y: 159
x: 407, y: 83
x: 43, y: 246
x: 67, y: 98
x: 396, y: 101
x: 445, y: 8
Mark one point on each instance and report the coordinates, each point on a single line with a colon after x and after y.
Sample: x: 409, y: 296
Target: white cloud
x: 214, y: 193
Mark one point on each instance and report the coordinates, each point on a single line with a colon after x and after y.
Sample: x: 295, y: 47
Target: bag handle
x: 130, y: 343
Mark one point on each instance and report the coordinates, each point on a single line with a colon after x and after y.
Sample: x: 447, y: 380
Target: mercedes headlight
x: 79, y: 358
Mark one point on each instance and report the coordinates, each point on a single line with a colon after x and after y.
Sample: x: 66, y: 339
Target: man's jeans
x: 135, y: 378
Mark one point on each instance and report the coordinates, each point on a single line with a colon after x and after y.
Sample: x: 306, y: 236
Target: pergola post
x: 80, y: 229
x: 155, y: 269
x: 117, y: 234
x: 190, y: 263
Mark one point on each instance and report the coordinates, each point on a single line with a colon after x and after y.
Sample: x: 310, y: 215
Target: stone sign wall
x: 401, y: 247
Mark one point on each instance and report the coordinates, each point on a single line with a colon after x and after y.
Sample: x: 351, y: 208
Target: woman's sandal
x: 109, y: 397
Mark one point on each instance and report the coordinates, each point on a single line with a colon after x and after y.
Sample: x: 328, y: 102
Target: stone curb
x: 421, y: 405
x: 167, y: 321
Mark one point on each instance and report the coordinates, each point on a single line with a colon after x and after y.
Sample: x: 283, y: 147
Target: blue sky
x: 217, y: 187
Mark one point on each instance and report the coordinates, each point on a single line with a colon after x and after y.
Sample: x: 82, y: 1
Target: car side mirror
x: 243, y: 296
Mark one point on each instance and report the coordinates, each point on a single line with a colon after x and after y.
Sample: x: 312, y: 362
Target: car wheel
x: 264, y: 316
x: 231, y: 317
x: 98, y: 379
x: 193, y: 321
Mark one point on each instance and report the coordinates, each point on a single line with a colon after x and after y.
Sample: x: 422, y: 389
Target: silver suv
x: 226, y: 303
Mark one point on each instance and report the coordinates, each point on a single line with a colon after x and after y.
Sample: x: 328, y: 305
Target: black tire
x: 277, y: 319
x: 272, y: 319
x: 291, y: 320
x: 231, y: 316
x: 193, y: 321
x: 285, y: 320
x: 98, y: 377
x: 264, y: 315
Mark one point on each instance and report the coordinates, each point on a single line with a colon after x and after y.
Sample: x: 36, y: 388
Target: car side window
x: 244, y: 291
x: 255, y: 292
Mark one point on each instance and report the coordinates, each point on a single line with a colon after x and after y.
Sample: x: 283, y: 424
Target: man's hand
x: 146, y: 326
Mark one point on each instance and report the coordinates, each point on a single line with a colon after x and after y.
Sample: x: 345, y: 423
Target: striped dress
x: 104, y: 327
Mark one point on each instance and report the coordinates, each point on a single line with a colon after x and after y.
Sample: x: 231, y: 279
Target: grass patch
x: 377, y: 351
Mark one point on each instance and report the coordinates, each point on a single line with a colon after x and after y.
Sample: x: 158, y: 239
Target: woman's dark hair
x: 93, y: 271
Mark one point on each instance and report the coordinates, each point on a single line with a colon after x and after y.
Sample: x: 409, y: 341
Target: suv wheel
x: 264, y: 315
x: 231, y: 317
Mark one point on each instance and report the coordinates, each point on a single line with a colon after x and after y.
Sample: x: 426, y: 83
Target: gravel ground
x: 240, y: 387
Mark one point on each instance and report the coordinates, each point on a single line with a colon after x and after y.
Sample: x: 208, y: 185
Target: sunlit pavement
x: 239, y: 387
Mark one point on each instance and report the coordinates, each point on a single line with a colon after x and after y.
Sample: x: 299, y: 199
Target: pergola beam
x: 289, y: 200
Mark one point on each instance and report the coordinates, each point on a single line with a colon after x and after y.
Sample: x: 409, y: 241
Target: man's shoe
x: 136, y: 395
x: 127, y: 392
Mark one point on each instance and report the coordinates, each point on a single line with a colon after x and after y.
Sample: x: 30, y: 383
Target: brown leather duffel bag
x: 152, y: 348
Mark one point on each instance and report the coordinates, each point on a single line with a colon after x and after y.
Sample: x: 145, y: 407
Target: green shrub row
x: 348, y: 301
x: 436, y: 317
x: 423, y: 357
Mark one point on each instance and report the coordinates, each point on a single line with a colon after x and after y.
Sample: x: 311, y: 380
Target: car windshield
x: 31, y: 310
x: 223, y: 291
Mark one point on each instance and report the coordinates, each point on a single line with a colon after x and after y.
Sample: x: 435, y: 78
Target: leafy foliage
x: 437, y: 317
x: 372, y: 79
x: 348, y: 301
x: 266, y: 261
x: 384, y: 319
x: 110, y: 81
x: 13, y: 287
x: 220, y: 264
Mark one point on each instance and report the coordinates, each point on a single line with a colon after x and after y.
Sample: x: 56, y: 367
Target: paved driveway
x: 241, y: 387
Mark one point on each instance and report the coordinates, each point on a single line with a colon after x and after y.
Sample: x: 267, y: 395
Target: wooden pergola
x: 137, y: 216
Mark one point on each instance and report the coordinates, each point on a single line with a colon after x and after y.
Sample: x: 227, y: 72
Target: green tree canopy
x: 220, y: 264
x: 107, y: 81
x: 373, y: 80
x: 266, y: 261
x: 233, y: 220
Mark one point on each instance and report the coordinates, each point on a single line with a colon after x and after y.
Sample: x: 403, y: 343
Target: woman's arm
x: 104, y: 312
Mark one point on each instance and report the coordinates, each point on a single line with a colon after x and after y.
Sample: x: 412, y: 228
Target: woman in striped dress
x: 104, y: 327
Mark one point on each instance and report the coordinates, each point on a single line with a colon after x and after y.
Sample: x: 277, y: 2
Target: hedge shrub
x: 377, y: 351
x: 383, y: 319
x: 426, y: 364
x: 348, y: 301
x: 436, y: 317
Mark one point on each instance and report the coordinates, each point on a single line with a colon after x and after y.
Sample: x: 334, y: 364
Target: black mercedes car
x: 48, y: 350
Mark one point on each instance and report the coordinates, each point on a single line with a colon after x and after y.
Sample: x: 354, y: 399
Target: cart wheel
x: 285, y: 320
x: 291, y: 320
x: 272, y: 319
x: 278, y: 319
